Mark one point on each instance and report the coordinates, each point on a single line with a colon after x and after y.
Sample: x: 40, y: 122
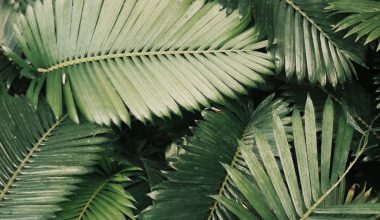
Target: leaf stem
x: 88, y: 203
x: 35, y: 147
x: 356, y: 116
x: 133, y: 54
x: 363, y: 145
x: 222, y: 188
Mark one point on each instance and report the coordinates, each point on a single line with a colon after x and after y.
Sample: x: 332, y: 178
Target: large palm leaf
x: 363, y: 19
x: 303, y: 43
x: 102, y: 194
x: 303, y: 184
x: 199, y: 173
x: 150, y: 56
x: 40, y: 157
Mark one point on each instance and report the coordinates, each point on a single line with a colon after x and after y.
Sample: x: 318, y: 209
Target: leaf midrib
x: 232, y: 164
x: 27, y: 158
x: 303, y: 14
x: 134, y: 54
x: 341, y: 178
x: 222, y: 187
x: 88, y: 203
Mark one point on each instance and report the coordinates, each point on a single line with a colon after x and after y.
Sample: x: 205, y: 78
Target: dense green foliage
x: 189, y: 109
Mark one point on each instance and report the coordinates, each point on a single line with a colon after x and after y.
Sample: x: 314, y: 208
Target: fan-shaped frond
x: 199, y: 173
x: 152, y: 56
x: 363, y: 19
x: 102, y: 195
x: 306, y: 183
x: 301, y: 39
x: 40, y: 157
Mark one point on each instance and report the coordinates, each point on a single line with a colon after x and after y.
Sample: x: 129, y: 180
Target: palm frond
x: 151, y: 57
x: 199, y: 172
x: 102, y: 194
x: 301, y: 40
x: 40, y: 157
x: 362, y: 21
x: 306, y: 183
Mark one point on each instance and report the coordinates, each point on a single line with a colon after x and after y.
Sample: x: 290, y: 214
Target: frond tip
x: 102, y: 194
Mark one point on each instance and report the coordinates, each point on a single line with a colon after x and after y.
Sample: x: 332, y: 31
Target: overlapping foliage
x: 102, y: 191
x: 199, y: 172
x: 362, y: 21
x: 147, y: 70
x: 302, y: 41
x: 312, y: 183
x: 41, y: 158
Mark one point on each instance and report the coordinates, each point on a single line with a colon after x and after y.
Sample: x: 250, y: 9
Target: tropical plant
x: 313, y: 182
x: 214, y: 142
x: 189, y: 109
x: 103, y: 73
x: 41, y: 158
x: 102, y: 191
x: 362, y: 21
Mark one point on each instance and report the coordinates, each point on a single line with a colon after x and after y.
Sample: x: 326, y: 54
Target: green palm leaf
x: 150, y: 56
x: 362, y: 21
x: 102, y: 195
x: 199, y: 172
x: 40, y: 157
x: 303, y: 43
x: 306, y: 183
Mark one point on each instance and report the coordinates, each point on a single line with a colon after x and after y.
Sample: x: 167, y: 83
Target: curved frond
x: 363, y: 19
x: 199, y: 172
x: 302, y: 41
x: 308, y: 182
x: 150, y: 56
x: 40, y: 157
x: 102, y: 195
